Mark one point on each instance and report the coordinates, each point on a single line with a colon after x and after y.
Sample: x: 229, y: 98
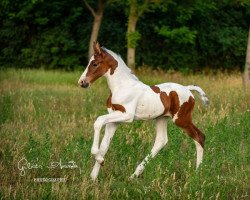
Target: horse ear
x: 97, y: 48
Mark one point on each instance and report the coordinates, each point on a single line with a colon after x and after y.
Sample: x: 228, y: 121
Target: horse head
x: 99, y: 64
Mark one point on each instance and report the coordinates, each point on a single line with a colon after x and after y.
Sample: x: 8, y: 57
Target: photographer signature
x: 23, y: 165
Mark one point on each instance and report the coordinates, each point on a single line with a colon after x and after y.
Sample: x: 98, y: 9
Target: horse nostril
x: 84, y: 84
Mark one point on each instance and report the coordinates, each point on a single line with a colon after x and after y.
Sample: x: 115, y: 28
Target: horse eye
x: 95, y: 65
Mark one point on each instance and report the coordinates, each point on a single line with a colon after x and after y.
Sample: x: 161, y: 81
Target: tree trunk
x: 97, y: 22
x: 131, y: 57
x: 95, y: 31
x: 131, y: 48
x: 246, y: 80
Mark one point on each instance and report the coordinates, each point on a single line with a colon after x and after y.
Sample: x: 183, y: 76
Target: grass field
x: 45, y: 117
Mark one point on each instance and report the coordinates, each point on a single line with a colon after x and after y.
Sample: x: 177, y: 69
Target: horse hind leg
x: 198, y: 137
x: 199, y: 144
x: 184, y: 120
x: 160, y: 141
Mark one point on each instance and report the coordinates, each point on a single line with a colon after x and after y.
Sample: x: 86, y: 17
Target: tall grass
x: 45, y: 117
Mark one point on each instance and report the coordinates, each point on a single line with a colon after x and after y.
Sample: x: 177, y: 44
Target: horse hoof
x: 93, y: 177
x: 130, y: 178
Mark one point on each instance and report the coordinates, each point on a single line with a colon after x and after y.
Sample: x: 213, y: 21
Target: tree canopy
x: 179, y: 35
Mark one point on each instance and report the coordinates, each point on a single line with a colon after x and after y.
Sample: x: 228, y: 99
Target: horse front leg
x: 111, y: 118
x: 109, y: 132
x: 116, y: 116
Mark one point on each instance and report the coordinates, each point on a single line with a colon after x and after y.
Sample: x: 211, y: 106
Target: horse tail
x: 202, y: 94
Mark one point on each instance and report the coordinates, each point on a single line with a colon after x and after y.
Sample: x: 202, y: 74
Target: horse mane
x: 121, y: 63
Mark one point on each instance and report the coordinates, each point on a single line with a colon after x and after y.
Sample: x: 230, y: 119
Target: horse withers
x: 130, y: 100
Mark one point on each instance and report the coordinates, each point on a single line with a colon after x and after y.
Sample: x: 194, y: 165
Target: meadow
x: 45, y: 117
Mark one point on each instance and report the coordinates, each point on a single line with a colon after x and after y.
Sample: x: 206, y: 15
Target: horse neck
x: 121, y: 77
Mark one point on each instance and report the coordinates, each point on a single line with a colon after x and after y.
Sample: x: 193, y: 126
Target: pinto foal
x: 130, y: 100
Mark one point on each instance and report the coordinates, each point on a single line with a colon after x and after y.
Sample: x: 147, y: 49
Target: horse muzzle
x: 84, y: 84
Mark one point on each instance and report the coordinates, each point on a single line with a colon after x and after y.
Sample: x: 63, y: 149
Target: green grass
x: 45, y: 117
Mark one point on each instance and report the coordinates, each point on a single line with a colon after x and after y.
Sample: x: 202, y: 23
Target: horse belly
x: 149, y: 107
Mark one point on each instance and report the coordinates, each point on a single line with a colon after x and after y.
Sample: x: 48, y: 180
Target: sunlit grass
x: 45, y: 116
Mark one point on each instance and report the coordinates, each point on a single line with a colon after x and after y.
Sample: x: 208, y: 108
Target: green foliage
x: 181, y: 35
x: 190, y: 35
x: 133, y: 38
x: 199, y: 34
x: 43, y: 34
x: 54, y: 49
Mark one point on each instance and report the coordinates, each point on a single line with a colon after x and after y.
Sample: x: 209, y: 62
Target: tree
x: 136, y: 9
x: 181, y: 35
x: 98, y: 14
x: 246, y: 80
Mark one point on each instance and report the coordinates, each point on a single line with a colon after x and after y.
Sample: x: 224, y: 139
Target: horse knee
x: 98, y: 123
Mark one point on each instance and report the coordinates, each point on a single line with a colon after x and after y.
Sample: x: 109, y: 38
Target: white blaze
x: 82, y: 77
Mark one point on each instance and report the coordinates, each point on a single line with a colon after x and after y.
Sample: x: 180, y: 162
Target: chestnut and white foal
x: 130, y: 100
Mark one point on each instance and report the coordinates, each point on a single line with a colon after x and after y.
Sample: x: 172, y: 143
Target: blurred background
x: 187, y: 36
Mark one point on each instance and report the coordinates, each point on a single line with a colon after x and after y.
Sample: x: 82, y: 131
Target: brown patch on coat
x: 170, y: 102
x: 112, y: 63
x: 184, y: 114
x: 165, y: 99
x: 175, y: 103
x: 116, y: 107
x: 155, y: 89
x: 184, y: 121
